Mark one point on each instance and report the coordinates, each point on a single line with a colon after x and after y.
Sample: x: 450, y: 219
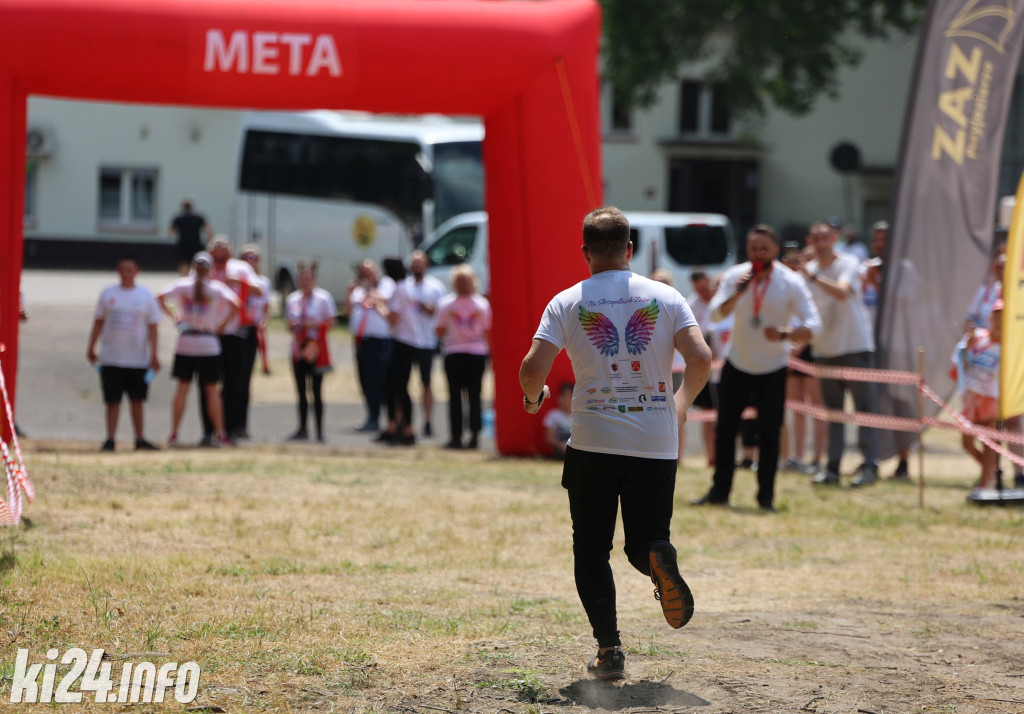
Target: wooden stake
x: 920, y: 433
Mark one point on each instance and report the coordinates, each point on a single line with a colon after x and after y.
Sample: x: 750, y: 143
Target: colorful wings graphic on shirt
x: 602, y: 333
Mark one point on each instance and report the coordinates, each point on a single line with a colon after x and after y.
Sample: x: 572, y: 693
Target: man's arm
x: 695, y: 351
x: 534, y: 370
x: 90, y: 352
x: 154, y: 359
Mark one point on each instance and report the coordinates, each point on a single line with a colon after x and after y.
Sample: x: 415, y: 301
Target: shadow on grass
x: 611, y: 697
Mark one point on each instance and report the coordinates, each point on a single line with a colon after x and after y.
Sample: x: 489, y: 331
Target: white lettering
x: 295, y: 44
x: 225, y: 58
x: 233, y: 55
x: 325, y: 56
x: 264, y: 53
x: 23, y: 683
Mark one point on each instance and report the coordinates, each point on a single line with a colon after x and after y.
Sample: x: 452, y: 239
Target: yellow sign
x: 364, y: 231
x: 1011, y: 371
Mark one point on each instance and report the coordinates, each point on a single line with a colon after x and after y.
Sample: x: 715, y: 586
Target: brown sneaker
x: 669, y: 586
x: 612, y: 666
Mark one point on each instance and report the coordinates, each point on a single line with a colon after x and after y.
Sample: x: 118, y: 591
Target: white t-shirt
x: 257, y: 305
x: 618, y: 329
x: 198, y: 322
x: 311, y: 312
x: 784, y: 297
x: 466, y: 320
x: 240, y: 277
x: 427, y: 292
x: 127, y: 314
x: 367, y: 322
x: 401, y: 304
x: 982, y: 375
x: 846, y: 324
x: 561, y: 422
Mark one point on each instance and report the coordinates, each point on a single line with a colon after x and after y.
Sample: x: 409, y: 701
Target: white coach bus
x: 339, y: 187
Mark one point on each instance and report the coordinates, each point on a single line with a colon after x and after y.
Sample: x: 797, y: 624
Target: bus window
x: 374, y: 171
x: 697, y: 244
x: 458, y: 179
x: 634, y: 238
x: 454, y: 247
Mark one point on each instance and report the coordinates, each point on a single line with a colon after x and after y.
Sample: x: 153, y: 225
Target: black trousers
x: 249, y: 349
x: 372, y: 357
x: 396, y: 382
x: 597, y: 484
x: 465, y: 373
x: 309, y: 382
x: 232, y: 365
x: 736, y: 390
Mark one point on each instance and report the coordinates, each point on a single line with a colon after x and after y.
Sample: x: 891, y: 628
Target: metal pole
x: 920, y: 432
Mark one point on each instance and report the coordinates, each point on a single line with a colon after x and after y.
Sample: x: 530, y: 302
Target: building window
x: 127, y: 199
x: 30, y: 194
x: 618, y: 113
x: 703, y: 110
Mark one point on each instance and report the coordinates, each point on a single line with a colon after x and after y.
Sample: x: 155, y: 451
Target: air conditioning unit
x: 39, y: 142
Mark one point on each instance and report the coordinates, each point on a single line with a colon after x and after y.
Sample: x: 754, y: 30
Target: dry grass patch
x: 426, y: 581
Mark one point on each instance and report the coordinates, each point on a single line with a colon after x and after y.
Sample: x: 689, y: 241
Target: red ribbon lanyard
x: 759, y: 296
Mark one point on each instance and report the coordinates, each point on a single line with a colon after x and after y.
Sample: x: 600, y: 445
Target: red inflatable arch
x: 528, y: 68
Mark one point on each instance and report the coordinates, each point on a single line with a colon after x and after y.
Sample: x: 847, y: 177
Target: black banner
x: 945, y: 201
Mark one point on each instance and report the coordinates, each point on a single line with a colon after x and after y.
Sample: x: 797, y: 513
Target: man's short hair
x: 822, y: 225
x: 765, y: 230
x: 880, y: 226
x: 606, y: 232
x: 697, y: 275
x: 127, y: 256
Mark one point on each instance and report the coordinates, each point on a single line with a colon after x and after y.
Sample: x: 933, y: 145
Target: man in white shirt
x: 620, y: 331
x: 764, y: 297
x: 846, y: 340
x: 424, y: 292
x: 126, y: 318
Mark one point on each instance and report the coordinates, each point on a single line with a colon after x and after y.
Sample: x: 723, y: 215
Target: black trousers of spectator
x: 309, y: 381
x: 232, y: 363
x: 465, y: 373
x: 597, y: 484
x: 372, y: 357
x: 736, y: 390
x: 396, y: 383
x: 249, y: 349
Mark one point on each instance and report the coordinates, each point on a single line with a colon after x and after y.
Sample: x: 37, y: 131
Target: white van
x: 678, y: 242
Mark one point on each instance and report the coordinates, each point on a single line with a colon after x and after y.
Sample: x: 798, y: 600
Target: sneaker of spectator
x: 825, y: 477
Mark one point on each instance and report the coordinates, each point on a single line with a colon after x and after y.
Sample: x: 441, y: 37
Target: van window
x: 697, y: 244
x: 454, y: 247
x: 634, y: 236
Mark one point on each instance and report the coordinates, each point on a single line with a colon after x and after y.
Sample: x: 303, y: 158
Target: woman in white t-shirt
x: 310, y: 312
x: 464, y: 327
x: 204, y: 308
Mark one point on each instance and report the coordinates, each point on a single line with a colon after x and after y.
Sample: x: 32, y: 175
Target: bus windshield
x: 458, y: 179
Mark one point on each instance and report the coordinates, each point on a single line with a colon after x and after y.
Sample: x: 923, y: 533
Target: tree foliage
x: 783, y: 52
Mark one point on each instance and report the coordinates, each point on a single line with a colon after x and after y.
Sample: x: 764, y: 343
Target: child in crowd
x: 977, y: 360
x: 558, y: 421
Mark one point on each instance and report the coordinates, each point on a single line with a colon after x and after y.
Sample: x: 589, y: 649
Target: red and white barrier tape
x: 17, y: 475
x: 854, y: 374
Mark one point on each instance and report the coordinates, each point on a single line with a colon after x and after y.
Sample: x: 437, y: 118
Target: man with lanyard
x: 620, y: 331
x: 240, y: 277
x: 763, y: 296
x: 846, y: 340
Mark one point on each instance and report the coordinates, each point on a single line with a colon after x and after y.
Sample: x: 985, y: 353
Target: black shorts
x: 117, y: 381
x: 706, y: 399
x: 208, y: 368
x: 807, y: 356
x: 425, y: 361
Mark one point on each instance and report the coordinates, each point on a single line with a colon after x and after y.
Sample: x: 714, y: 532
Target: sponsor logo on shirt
x: 661, y: 386
x: 643, y: 398
x: 636, y: 409
x: 657, y: 409
x: 635, y: 365
x: 658, y: 398
x: 622, y: 408
x: 606, y: 390
x: 595, y: 401
x: 615, y: 366
x: 627, y: 390
x: 613, y: 400
x: 591, y: 390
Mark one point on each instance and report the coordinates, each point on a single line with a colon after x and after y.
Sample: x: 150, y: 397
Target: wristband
x: 539, y: 399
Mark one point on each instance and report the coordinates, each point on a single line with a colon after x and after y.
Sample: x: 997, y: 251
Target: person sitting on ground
x: 558, y: 421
